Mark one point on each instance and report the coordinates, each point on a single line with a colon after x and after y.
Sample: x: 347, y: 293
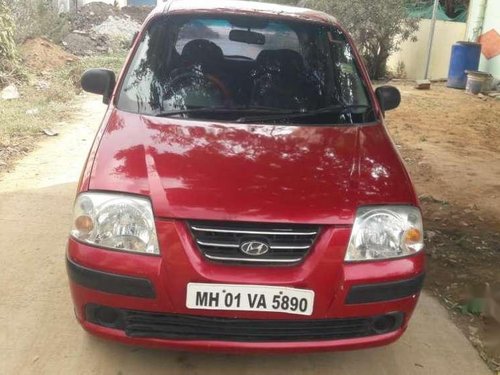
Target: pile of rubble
x: 102, y: 28
x: 41, y: 55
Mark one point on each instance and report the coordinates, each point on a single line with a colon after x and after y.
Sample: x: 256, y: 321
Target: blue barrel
x: 464, y: 56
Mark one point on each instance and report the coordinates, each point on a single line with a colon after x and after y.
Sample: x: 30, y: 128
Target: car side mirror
x: 100, y: 82
x: 389, y: 97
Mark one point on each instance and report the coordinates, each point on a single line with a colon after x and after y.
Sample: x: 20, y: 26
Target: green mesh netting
x: 425, y: 11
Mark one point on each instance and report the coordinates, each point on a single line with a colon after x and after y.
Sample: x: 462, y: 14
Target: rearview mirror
x: 388, y: 97
x: 100, y: 82
x: 249, y: 37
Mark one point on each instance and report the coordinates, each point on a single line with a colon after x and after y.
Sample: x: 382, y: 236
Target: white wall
x: 491, y: 27
x: 414, y: 54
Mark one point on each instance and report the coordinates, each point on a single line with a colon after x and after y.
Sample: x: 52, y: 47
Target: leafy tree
x: 377, y: 26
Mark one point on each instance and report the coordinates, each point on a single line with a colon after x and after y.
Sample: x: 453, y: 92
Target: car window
x: 278, y: 36
x: 244, y: 64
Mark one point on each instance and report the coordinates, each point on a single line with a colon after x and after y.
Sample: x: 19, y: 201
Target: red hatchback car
x: 242, y: 193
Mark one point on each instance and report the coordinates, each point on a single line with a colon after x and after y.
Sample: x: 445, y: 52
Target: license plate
x: 249, y: 298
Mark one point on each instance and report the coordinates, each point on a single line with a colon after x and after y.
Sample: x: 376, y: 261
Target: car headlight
x: 115, y: 221
x: 383, y: 232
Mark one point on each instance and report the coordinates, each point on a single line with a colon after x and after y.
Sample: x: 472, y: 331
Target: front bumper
x: 157, y: 285
x: 238, y: 347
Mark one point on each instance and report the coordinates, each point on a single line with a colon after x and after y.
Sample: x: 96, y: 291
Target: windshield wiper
x: 337, y: 108
x: 218, y: 110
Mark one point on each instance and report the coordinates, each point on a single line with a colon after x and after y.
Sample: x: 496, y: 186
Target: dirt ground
x: 450, y: 142
x: 39, y: 335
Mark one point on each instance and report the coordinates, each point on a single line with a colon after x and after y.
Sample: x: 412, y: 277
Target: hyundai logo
x: 254, y: 248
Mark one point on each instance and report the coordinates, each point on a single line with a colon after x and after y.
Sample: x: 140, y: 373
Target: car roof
x: 243, y: 8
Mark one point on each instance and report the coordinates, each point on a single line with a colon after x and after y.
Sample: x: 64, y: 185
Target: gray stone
x: 9, y: 93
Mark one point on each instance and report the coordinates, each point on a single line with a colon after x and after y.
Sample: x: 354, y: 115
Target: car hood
x: 241, y: 172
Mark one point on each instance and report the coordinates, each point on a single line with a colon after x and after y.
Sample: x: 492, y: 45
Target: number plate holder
x: 263, y: 298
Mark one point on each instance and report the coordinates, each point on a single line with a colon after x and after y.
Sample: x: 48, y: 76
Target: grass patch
x: 29, y: 114
x: 72, y: 74
x: 46, y: 100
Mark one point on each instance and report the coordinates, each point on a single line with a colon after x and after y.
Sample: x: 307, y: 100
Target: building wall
x: 487, y: 31
x: 414, y: 54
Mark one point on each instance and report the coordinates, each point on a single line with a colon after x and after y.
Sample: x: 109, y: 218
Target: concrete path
x: 38, y: 334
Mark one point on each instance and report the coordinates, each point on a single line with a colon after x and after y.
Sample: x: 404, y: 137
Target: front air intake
x: 261, y: 243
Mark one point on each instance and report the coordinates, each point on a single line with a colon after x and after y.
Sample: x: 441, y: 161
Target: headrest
x: 281, y: 57
x: 202, y: 51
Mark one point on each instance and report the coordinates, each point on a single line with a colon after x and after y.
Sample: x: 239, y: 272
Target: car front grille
x: 142, y: 324
x: 222, y: 241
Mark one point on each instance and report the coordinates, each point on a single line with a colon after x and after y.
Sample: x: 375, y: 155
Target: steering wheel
x: 272, y: 92
x: 269, y: 87
x: 199, y: 75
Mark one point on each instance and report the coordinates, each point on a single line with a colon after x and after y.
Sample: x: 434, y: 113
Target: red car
x: 242, y: 193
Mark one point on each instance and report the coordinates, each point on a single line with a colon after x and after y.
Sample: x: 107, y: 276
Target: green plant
x: 9, y: 63
x: 7, y: 45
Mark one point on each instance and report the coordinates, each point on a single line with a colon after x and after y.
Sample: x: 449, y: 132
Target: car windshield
x: 240, y: 68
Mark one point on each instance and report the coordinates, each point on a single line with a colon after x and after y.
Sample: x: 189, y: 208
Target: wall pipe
x: 479, y: 21
x: 431, y: 38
